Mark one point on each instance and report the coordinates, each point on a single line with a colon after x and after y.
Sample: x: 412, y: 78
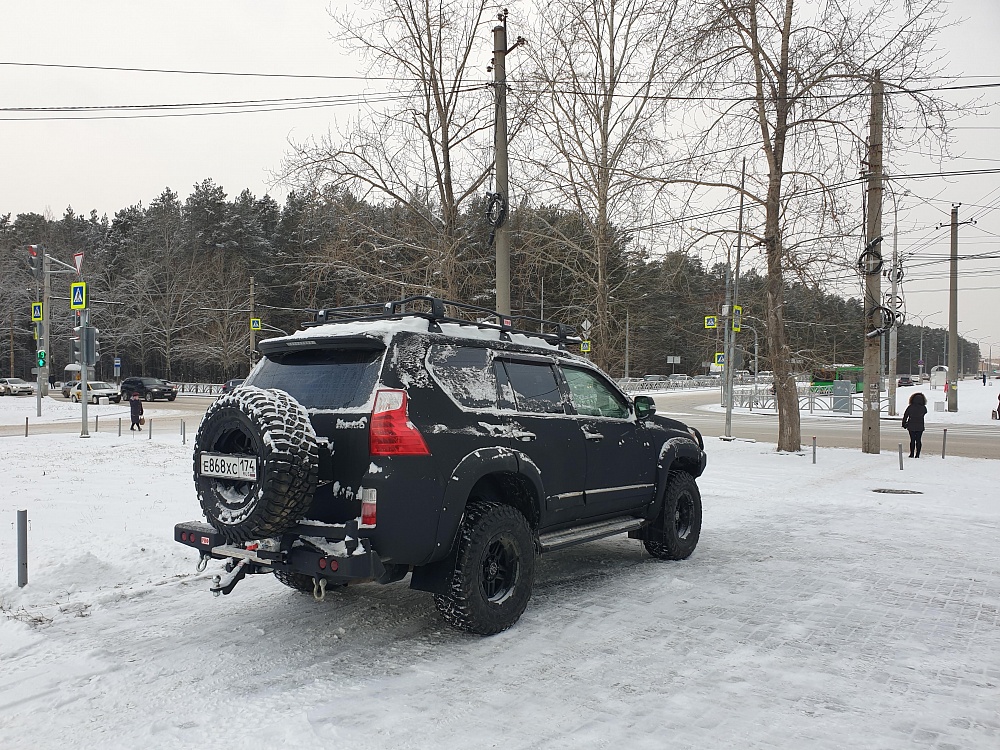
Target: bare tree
x: 597, y: 150
x: 788, y: 89
x: 428, y: 152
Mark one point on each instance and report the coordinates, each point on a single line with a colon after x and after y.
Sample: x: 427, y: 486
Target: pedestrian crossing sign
x: 585, y: 346
x: 711, y: 321
x: 720, y: 358
x: 36, y: 311
x: 254, y: 324
x: 78, y: 295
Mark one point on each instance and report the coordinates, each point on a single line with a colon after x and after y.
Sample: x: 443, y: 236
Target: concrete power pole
x: 953, y: 316
x: 502, y: 232
x: 870, y: 427
x: 894, y: 280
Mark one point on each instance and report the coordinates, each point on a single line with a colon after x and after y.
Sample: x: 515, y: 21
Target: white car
x: 15, y: 387
x: 95, y: 392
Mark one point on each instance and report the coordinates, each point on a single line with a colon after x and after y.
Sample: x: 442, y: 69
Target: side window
x: 535, y: 387
x: 465, y: 373
x: 593, y: 397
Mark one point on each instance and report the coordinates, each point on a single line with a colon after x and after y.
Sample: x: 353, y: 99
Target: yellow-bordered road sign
x: 711, y: 321
x: 737, y: 318
x: 254, y: 324
x: 78, y: 295
x: 720, y: 358
x: 36, y: 312
x: 585, y: 346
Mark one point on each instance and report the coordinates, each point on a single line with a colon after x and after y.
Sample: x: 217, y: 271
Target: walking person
x: 913, y: 420
x: 135, y: 404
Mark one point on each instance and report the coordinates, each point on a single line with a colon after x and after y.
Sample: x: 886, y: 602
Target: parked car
x: 96, y: 390
x: 229, y: 385
x: 149, y: 389
x: 412, y: 442
x: 15, y: 387
x: 679, y: 378
x: 905, y: 380
x: 68, y: 386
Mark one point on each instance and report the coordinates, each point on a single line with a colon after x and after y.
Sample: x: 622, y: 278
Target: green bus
x: 824, y: 378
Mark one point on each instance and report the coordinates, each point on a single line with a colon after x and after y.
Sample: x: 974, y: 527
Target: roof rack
x: 433, y: 309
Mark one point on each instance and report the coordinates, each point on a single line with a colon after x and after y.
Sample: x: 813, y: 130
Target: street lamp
x: 921, y: 318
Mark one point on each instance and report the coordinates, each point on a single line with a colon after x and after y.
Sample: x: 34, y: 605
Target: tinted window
x: 465, y: 374
x: 592, y: 396
x: 322, y: 378
x: 535, y: 388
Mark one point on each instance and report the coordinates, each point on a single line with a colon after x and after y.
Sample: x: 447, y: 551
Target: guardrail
x: 810, y: 399
x: 199, y: 389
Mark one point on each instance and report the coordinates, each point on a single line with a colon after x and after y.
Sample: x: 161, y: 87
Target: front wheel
x: 494, y: 570
x: 675, y: 532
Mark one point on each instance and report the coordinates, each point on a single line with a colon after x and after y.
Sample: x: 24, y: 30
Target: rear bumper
x: 330, y: 552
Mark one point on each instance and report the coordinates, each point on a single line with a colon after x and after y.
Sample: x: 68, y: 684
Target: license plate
x: 229, y: 467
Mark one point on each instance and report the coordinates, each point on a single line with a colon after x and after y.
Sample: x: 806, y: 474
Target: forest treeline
x: 170, y: 285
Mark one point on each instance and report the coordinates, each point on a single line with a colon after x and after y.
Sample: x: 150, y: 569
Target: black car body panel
x: 497, y: 419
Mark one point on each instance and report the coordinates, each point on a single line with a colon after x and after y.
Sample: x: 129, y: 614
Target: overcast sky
x: 108, y: 164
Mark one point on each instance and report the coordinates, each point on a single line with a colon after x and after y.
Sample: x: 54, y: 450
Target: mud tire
x: 274, y: 427
x: 494, y: 571
x: 675, y: 533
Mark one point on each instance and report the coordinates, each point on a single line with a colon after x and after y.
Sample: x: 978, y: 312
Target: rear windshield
x: 322, y: 378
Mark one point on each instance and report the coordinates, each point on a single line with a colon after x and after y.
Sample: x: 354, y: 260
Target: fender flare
x: 677, y: 452
x: 435, y: 575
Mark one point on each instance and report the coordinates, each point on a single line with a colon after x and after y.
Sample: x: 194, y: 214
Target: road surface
x: 692, y: 407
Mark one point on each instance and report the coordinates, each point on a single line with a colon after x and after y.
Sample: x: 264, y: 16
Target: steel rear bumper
x: 353, y: 560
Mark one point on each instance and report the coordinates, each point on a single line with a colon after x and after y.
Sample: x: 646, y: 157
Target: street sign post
x: 737, y: 318
x: 585, y: 346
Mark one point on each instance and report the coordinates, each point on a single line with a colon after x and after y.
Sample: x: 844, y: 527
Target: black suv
x: 149, y: 389
x: 406, y: 440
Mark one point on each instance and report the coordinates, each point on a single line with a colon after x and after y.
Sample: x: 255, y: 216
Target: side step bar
x: 554, y: 540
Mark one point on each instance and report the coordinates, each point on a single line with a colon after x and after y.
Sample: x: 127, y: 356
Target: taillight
x: 368, y: 507
x: 392, y: 433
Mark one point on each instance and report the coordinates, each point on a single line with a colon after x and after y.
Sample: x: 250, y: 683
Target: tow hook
x: 225, y: 584
x: 203, y: 563
x: 319, y: 589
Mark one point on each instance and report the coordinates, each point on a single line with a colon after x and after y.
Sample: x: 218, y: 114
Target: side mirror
x: 645, y: 407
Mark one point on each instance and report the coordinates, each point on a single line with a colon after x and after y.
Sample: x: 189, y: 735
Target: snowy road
x: 814, y: 614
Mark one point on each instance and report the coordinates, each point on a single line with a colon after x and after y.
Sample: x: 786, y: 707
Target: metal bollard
x: 183, y: 433
x: 26, y: 427
x: 900, y: 456
x: 814, y: 449
x: 119, y: 426
x: 22, y: 549
x: 150, y: 433
x: 944, y: 441
x: 96, y: 422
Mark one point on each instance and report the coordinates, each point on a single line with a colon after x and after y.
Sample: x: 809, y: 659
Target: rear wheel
x: 494, y: 571
x: 675, y: 533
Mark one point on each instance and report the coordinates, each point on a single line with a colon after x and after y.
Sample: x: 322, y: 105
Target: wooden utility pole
x: 953, y: 316
x: 502, y: 182
x: 870, y: 427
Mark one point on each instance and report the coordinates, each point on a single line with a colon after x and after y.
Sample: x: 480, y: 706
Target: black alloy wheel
x: 675, y: 533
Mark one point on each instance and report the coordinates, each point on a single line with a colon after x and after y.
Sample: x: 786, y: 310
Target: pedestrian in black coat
x: 136, y: 406
x: 913, y: 420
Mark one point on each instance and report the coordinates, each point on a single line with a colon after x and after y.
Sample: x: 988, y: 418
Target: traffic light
x: 91, y: 346
x: 35, y: 254
x: 41, y: 358
x: 77, y: 346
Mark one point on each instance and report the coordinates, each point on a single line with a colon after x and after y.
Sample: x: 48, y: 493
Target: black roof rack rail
x: 434, y: 310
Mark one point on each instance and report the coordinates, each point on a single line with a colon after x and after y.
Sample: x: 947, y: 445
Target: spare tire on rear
x: 271, y: 430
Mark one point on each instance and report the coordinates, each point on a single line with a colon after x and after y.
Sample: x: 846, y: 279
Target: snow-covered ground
x: 56, y: 409
x: 815, y: 613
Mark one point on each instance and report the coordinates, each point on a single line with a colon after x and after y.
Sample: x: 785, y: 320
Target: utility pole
x: 253, y: 335
x: 894, y: 280
x: 502, y: 233
x: 870, y: 427
x: 730, y: 304
x: 953, y: 316
x: 44, y: 337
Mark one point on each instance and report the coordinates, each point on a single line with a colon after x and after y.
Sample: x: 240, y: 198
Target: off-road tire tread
x: 665, y: 547
x: 289, y: 462
x: 481, y: 518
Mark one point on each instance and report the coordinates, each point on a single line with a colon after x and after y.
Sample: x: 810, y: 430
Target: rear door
x: 541, y: 428
x: 621, y: 465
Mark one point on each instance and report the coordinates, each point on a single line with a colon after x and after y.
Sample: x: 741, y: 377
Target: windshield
x: 322, y: 378
x: 15, y: 381
x: 100, y: 386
